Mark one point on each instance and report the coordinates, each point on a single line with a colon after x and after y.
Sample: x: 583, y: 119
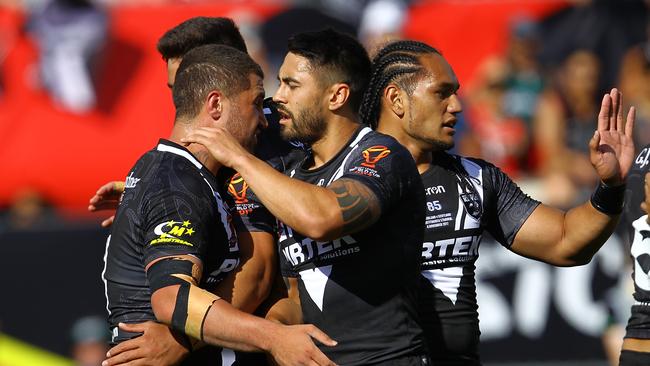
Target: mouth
x: 449, y: 125
x: 285, y: 115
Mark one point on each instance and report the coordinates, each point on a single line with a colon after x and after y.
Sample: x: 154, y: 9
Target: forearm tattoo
x: 359, y: 205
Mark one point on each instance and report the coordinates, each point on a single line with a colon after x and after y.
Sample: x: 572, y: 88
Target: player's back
x: 170, y: 206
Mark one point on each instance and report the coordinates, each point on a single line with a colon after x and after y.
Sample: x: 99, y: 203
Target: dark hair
x: 207, y: 68
x: 199, y: 31
x: 342, y: 57
x: 397, y: 61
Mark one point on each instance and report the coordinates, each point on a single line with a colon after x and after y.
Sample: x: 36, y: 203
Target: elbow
x: 574, y: 260
x: 581, y: 260
x: 322, y: 227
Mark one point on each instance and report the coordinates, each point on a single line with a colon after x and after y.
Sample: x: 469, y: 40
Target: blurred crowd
x: 530, y: 111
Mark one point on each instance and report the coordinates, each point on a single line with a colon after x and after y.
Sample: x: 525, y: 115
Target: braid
x: 391, y: 62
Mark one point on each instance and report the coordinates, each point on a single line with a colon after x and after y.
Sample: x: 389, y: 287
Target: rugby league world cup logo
x: 373, y: 154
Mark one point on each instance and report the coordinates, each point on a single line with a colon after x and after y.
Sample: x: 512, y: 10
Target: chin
x: 439, y: 145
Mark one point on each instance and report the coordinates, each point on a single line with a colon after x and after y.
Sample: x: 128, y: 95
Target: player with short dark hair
x: 636, y: 224
x: 339, y: 61
x: 172, y: 230
x: 253, y: 268
x: 199, y: 31
x: 412, y: 97
x: 194, y: 32
x: 352, y: 222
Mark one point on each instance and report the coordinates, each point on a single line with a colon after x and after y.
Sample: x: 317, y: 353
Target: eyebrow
x: 288, y: 79
x: 452, y: 86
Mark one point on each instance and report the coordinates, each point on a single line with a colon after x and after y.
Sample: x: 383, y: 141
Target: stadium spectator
x: 90, y: 338
x: 564, y: 120
x: 70, y: 35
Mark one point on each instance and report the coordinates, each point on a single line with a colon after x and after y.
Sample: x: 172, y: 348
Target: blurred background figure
x: 381, y: 21
x: 28, y: 211
x: 635, y: 84
x: 90, y: 338
x: 70, y: 35
x: 502, y: 101
x: 565, y: 119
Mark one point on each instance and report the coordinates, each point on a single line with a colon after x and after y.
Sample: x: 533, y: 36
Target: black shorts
x: 634, y: 358
x: 419, y: 360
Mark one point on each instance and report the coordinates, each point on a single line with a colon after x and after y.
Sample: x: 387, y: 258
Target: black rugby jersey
x: 464, y: 197
x: 360, y: 289
x: 634, y: 223
x: 170, y: 206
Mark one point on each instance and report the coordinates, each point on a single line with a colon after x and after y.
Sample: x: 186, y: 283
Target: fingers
x: 108, y: 222
x: 616, y: 115
x: 629, y: 124
x: 320, y: 359
x: 111, y: 188
x: 123, y: 347
x: 103, y: 204
x: 201, y: 135
x: 594, y: 142
x: 603, y: 115
x: 320, y: 336
x: 134, y: 327
x: 124, y: 359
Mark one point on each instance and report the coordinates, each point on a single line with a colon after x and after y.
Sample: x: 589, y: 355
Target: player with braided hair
x: 412, y: 96
x: 391, y: 63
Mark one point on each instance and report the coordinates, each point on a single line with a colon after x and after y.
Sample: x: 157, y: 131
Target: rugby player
x: 351, y: 210
x: 172, y: 231
x: 636, y: 221
x: 412, y: 96
x: 251, y: 285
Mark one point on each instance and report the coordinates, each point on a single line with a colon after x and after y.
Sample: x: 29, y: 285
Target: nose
x: 279, y: 96
x: 454, y: 106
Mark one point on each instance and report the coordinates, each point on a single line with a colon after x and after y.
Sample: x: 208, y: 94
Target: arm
x: 572, y: 238
x: 159, y: 345
x: 287, y: 310
x: 247, y: 288
x: 345, y: 206
x: 176, y: 300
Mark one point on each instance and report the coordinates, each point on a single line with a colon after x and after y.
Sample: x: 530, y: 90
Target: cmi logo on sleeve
x: 374, y: 154
x: 173, y: 232
x: 237, y: 188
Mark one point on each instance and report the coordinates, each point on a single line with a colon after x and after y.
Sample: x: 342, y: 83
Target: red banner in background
x: 67, y: 157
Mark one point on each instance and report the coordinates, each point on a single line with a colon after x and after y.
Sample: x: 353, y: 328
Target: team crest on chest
x: 472, y: 203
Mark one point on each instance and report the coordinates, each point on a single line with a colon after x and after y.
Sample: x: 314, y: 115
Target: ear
x: 339, y: 96
x: 394, y: 100
x: 214, y: 104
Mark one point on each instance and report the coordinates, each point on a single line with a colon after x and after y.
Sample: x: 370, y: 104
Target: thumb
x: 133, y: 327
x: 595, y: 140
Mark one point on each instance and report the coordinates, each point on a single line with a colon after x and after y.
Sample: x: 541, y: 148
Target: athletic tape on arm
x: 192, y: 302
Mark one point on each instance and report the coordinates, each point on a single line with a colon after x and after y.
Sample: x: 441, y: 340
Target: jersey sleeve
x: 249, y: 214
x: 387, y: 169
x: 510, y: 207
x: 180, y: 218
